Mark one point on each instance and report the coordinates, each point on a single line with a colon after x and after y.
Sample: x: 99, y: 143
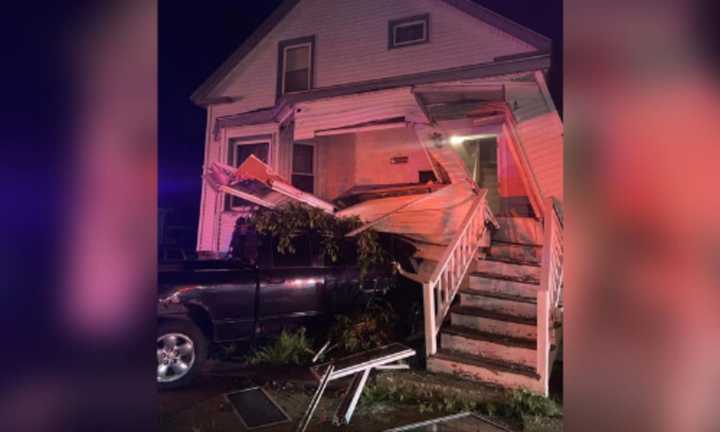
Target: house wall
x: 364, y: 158
x: 352, y: 46
x: 216, y: 223
x: 376, y: 149
x: 336, y: 158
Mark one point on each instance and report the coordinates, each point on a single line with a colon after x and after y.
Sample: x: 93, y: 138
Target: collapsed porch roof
x: 256, y: 182
x: 431, y: 218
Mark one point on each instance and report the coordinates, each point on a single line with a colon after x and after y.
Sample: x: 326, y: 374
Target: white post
x: 429, y: 303
x: 543, y: 304
x: 543, y: 339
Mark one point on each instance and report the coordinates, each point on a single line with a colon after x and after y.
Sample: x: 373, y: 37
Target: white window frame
x: 309, y: 45
x: 423, y: 20
x: 240, y: 141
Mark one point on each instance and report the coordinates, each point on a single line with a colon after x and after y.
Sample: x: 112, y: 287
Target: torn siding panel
x: 434, y: 219
x: 358, y: 109
x: 541, y: 134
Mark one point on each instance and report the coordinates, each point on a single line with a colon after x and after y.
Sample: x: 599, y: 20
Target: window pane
x: 243, y: 151
x: 410, y: 33
x: 302, y: 159
x: 297, y: 58
x: 304, y: 182
x: 297, y: 81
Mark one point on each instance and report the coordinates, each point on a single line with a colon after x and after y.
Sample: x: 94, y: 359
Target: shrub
x: 288, y: 349
x: 370, y: 328
x: 290, y: 222
x: 522, y: 404
x: 520, y: 407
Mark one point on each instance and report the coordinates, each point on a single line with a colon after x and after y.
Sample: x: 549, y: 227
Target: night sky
x: 195, y: 38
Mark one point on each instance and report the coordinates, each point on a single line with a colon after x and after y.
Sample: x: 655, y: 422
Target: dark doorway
x: 483, y: 163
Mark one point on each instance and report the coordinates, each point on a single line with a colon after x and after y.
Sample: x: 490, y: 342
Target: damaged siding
x: 541, y: 132
x: 344, y: 111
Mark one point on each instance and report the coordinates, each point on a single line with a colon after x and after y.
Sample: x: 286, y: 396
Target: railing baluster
x: 450, y: 271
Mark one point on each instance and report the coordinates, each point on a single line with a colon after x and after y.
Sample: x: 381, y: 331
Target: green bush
x: 370, y: 328
x: 289, y: 222
x: 522, y: 404
x: 520, y: 407
x: 288, y: 349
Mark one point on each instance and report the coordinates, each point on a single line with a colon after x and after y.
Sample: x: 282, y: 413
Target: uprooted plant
x: 371, y: 327
x: 295, y: 220
x: 291, y: 348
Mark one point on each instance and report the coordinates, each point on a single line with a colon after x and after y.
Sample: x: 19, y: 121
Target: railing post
x: 429, y: 304
x: 543, y: 303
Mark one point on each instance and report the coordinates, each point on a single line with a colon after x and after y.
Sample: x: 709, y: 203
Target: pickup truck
x: 215, y: 301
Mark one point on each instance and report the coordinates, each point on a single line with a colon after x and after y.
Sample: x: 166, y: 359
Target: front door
x: 482, y: 154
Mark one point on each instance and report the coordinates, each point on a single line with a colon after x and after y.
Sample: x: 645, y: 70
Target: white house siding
x: 215, y: 225
x: 352, y: 46
x: 374, y: 151
x: 336, y: 160
x: 541, y: 134
x: 338, y: 112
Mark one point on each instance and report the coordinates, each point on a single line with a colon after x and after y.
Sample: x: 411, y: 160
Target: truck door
x: 291, y: 291
x: 230, y: 295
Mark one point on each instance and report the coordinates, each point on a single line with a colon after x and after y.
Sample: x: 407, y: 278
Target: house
x: 438, y: 113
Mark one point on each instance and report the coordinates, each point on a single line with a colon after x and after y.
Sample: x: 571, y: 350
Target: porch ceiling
x: 449, y: 102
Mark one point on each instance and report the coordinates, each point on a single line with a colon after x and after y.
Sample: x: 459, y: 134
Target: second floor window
x: 409, y: 31
x: 296, y: 65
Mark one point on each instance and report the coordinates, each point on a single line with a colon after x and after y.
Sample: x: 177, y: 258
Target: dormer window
x: 409, y: 31
x: 296, y: 65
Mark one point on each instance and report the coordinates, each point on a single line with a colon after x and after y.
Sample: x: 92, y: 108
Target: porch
x: 447, y: 167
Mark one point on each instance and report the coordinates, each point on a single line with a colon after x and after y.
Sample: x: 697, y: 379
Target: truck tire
x: 181, y: 352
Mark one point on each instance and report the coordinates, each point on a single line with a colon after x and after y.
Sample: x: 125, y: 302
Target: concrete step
x: 524, y: 287
x: 522, y: 230
x: 503, y: 374
x: 507, y: 267
x: 493, y: 322
x: 515, y: 350
x: 527, y: 254
x: 503, y: 303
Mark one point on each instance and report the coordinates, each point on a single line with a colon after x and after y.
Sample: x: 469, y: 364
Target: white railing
x: 549, y: 297
x: 443, y: 285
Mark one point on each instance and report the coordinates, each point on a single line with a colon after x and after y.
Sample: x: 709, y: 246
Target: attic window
x: 409, y: 31
x: 296, y: 65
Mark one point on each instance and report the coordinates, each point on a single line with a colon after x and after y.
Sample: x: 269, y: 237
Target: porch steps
x: 507, y: 267
x: 476, y: 368
x: 519, y: 230
x: 498, y: 323
x: 511, y: 304
x: 481, y: 344
x: 523, y: 286
x: 491, y: 333
x: 516, y: 253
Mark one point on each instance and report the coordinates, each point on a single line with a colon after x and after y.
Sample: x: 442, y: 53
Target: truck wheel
x: 181, y: 351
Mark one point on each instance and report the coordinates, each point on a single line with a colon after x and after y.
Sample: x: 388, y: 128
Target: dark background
x: 194, y: 39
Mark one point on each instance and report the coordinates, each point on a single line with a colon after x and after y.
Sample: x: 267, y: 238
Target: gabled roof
x: 200, y: 96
